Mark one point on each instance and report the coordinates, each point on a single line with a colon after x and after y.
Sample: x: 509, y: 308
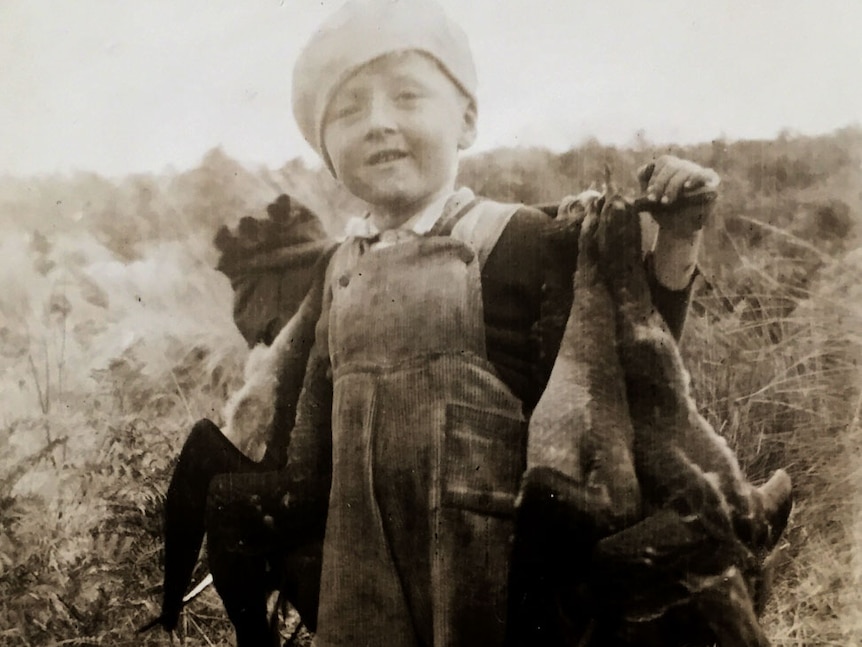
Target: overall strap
x: 479, y: 224
x: 452, y: 214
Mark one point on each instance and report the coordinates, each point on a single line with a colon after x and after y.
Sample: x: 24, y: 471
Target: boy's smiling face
x: 393, y: 130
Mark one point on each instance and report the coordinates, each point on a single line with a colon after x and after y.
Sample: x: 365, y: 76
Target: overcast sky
x: 118, y: 87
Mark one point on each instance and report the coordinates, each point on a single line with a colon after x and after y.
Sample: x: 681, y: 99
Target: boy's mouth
x: 385, y: 156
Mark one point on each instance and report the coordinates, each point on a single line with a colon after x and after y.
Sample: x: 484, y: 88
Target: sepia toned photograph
x: 426, y: 323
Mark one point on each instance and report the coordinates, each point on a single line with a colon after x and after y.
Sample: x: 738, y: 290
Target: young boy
x: 435, y: 340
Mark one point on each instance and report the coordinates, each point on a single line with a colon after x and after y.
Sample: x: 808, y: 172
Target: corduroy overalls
x: 428, y: 446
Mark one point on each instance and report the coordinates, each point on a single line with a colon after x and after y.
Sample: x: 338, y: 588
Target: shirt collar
x: 421, y: 223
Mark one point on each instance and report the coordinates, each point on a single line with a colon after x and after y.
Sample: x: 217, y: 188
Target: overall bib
x: 428, y: 447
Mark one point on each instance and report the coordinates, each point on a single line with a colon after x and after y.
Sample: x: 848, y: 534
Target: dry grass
x: 785, y: 389
x: 116, y: 334
x: 781, y: 388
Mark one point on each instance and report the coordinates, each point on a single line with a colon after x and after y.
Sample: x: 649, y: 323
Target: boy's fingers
x: 660, y: 180
x: 649, y: 173
x: 675, y: 185
x: 693, y: 183
x: 710, y: 178
x: 645, y: 173
x: 701, y: 178
x: 668, y: 177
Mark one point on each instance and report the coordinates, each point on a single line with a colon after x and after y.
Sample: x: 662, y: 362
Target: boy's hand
x: 680, y: 196
x: 679, y: 193
x: 668, y: 177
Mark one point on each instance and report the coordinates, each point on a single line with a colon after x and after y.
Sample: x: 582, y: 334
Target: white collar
x: 421, y: 223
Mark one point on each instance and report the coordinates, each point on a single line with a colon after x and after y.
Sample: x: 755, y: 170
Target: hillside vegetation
x: 116, y: 334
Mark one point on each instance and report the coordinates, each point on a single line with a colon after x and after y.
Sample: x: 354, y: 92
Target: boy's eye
x: 405, y: 96
x: 345, y: 110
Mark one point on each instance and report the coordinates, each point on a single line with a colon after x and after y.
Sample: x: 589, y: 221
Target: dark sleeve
x: 291, y: 376
x: 562, y: 254
x: 561, y: 258
x: 512, y: 289
x: 527, y: 288
x: 309, y: 454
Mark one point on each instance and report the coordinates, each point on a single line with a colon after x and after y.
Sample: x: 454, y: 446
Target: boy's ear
x: 468, y: 131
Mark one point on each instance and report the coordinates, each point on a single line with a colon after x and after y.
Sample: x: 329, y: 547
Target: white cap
x: 364, y: 30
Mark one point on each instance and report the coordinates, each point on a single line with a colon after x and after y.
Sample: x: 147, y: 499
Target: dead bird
x: 580, y: 484
x: 581, y: 428
x: 681, y: 462
x: 615, y: 441
x: 712, y: 528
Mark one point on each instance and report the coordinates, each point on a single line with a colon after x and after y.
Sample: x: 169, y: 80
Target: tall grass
x: 776, y: 369
x: 116, y: 334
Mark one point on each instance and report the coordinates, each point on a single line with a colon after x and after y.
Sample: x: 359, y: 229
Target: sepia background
x: 129, y: 134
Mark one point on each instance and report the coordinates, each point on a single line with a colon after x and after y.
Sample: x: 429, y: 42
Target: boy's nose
x: 381, y: 116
